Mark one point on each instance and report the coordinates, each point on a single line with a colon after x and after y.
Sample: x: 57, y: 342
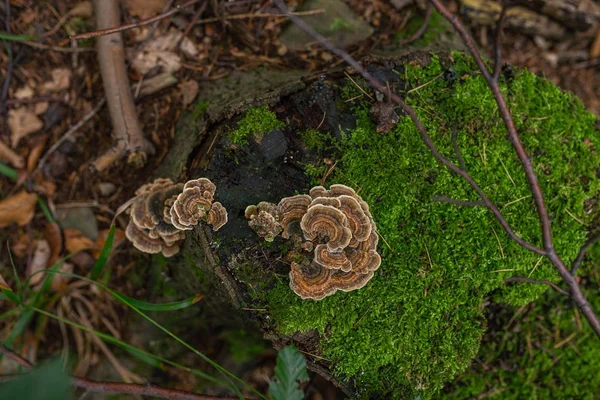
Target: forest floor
x: 52, y: 84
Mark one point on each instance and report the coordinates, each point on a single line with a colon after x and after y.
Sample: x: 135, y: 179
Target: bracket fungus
x: 334, y: 238
x: 162, y: 211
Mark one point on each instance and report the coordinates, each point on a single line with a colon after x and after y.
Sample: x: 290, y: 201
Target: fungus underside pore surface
x: 419, y: 321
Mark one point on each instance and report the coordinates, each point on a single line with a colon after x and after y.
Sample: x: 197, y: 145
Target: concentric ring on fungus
x: 162, y: 211
x: 336, y: 238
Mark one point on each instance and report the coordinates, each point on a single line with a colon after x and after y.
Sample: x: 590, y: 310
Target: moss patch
x: 543, y: 351
x: 255, y: 123
x: 419, y: 321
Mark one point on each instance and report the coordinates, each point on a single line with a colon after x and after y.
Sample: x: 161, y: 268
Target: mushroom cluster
x: 162, y: 211
x: 334, y: 233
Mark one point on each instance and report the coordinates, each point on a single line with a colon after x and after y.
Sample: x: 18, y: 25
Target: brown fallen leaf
x: 189, y: 91
x: 53, y: 236
x: 61, y: 80
x: 145, y: 8
x: 24, y: 92
x: 59, y: 282
x: 39, y: 261
x: 75, y: 241
x: 3, y: 284
x: 35, y: 154
x: 85, y: 9
x: 22, y: 122
x: 8, y: 155
x: 18, y: 208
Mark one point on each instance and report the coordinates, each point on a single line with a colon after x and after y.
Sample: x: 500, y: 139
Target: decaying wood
x: 129, y: 139
x: 575, y: 14
x: 487, y: 13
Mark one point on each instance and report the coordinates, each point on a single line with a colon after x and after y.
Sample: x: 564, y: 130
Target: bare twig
x: 119, y: 28
x: 111, y: 56
x: 42, y: 46
x: 419, y: 33
x: 548, y: 248
x: 536, y: 281
x: 498, y: 43
x: 582, y: 252
x: 257, y: 15
x: 461, y: 160
x: 115, y: 387
x: 69, y: 133
x: 195, y: 18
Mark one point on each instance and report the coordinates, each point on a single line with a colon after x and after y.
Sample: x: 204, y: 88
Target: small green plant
x: 46, y: 382
x: 290, y: 372
x: 255, y: 124
x: 339, y: 24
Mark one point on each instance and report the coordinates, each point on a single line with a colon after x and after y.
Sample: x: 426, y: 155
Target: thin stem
x: 582, y: 252
x: 498, y: 44
x: 143, y: 22
x: 536, y: 281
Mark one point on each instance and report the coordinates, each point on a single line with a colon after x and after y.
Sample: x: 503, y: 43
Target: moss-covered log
x: 420, y: 320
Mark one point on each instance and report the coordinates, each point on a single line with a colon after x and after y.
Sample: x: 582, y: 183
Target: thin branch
x: 461, y: 160
x: 537, y: 281
x: 114, y: 387
x: 69, y: 133
x: 498, y: 43
x: 419, y: 33
x: 582, y: 252
x: 128, y: 134
x: 148, y: 21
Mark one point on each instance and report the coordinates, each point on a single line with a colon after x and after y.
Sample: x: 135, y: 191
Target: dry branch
x: 129, y: 138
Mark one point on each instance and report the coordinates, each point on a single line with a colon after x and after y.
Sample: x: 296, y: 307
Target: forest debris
x: 61, y: 80
x: 59, y: 281
x: 101, y: 240
x: 487, y: 13
x: 189, y: 91
x: 130, y: 140
x: 18, y: 208
x: 39, y: 261
x: 579, y: 15
x: 162, y: 51
x: 157, y: 83
x: 75, y: 241
x: 8, y: 155
x: 83, y: 9
x: 595, y: 49
x: 24, y: 92
x: 145, y: 8
x: 82, y: 219
x: 22, y: 122
x: 53, y: 235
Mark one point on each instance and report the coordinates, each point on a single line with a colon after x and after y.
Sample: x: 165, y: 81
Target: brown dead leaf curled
x: 75, y: 241
x: 18, y: 208
x: 85, y: 9
x: 145, y: 8
x: 189, y: 91
x: 53, y: 236
x: 8, y: 155
x: 162, y: 51
x: 3, y: 284
x: 22, y: 122
x: 61, y: 80
x: 39, y: 261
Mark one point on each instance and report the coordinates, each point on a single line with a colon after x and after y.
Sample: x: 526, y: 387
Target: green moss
x: 199, y: 109
x: 419, y: 321
x: 255, y: 123
x: 545, y: 351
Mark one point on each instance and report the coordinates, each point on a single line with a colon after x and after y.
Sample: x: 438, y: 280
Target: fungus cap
x: 190, y: 207
x: 292, y: 210
x: 217, y: 216
x: 322, y: 221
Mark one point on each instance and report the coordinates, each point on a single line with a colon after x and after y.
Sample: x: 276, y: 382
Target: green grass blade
x: 19, y: 327
x: 17, y: 280
x: 6, y: 293
x: 46, y: 211
x: 172, y: 306
x: 17, y: 38
x: 124, y: 301
x: 103, y: 258
x: 8, y: 171
x: 126, y: 346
